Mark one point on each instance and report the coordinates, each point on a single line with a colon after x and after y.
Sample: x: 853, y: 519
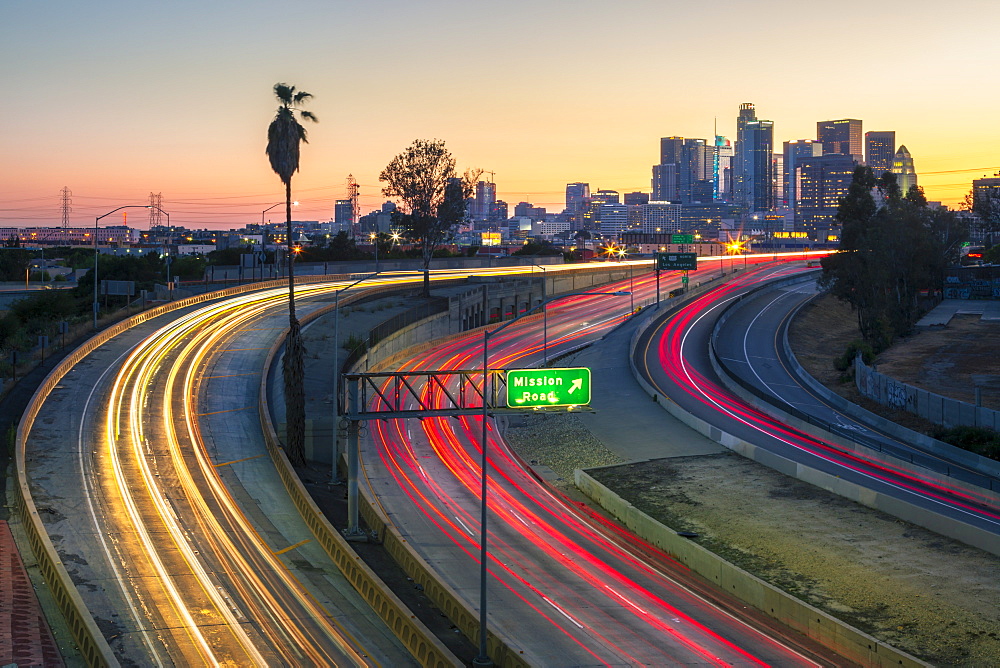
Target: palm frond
x: 308, y: 116
x: 284, y: 93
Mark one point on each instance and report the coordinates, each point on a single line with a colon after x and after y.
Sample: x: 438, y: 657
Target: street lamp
x: 545, y: 315
x: 96, y: 221
x: 483, y: 659
x: 374, y: 239
x: 336, y: 370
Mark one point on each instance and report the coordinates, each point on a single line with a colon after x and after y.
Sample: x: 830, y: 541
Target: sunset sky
x: 117, y: 99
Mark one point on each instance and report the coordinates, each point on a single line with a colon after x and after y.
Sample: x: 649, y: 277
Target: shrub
x: 846, y: 360
x: 981, y: 441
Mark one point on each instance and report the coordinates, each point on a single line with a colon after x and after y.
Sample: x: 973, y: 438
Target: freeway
x: 751, y: 345
x: 171, y: 515
x: 673, y: 356
x: 566, y: 586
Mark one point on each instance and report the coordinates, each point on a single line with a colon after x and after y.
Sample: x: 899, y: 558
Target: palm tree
x: 284, y: 136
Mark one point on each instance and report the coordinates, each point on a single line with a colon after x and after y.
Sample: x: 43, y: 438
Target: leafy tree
x: 284, y: 137
x: 14, y: 261
x: 433, y: 196
x: 892, y: 247
x: 339, y: 247
x: 536, y: 248
x: 985, y: 203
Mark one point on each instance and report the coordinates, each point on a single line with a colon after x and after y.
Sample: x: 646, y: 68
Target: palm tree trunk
x: 294, y: 365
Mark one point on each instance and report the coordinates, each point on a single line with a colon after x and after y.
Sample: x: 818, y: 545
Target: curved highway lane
x: 673, y: 356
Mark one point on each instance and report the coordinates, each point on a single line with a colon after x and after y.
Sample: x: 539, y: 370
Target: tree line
x: 894, y: 249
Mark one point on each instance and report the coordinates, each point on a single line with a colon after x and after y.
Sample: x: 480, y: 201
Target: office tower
x: 606, y: 197
x: 722, y: 158
x: 577, y: 194
x: 902, y: 167
x: 820, y: 182
x: 841, y: 137
x: 636, y: 198
x: 665, y: 183
x: 343, y: 215
x: 684, y: 163
x: 660, y: 217
x: 752, y: 169
x: 529, y: 210
x: 778, y: 174
x: 612, y: 219
x: 485, y: 200
x: 794, y: 151
x: 880, y: 148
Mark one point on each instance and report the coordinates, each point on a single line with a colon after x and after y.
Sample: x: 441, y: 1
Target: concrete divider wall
x: 818, y: 625
x: 502, y: 650
x: 415, y: 636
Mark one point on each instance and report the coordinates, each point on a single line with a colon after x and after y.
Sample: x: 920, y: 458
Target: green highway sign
x: 682, y: 238
x: 673, y: 261
x: 533, y: 388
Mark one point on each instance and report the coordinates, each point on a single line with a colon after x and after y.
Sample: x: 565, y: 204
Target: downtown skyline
x: 118, y: 100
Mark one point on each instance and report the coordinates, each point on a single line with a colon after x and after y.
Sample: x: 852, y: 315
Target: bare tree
x: 284, y: 136
x: 432, y: 195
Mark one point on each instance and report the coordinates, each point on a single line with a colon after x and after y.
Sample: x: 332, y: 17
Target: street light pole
x: 96, y: 253
x: 166, y: 248
x: 336, y: 375
x: 483, y: 658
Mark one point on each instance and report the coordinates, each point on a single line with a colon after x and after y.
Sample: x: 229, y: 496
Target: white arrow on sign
x: 576, y: 385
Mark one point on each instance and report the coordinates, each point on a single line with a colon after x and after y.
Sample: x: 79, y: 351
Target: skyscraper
x: 902, y: 167
x: 841, y: 137
x: 577, y: 194
x: 794, y: 151
x: 820, y: 182
x: 343, y: 215
x: 880, y: 148
x: 486, y: 198
x: 684, y: 169
x: 722, y: 158
x: 752, y: 163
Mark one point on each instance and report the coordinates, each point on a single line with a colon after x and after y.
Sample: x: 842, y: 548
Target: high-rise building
x: 820, y: 182
x: 636, y: 198
x: 880, y: 148
x: 684, y: 163
x: 606, y: 197
x: 722, y: 158
x: 794, y: 151
x: 841, y: 137
x: 660, y: 217
x: 577, y: 194
x: 902, y: 167
x: 665, y: 183
x: 485, y: 201
x: 612, y: 219
x: 529, y: 210
x: 752, y: 164
x: 343, y: 215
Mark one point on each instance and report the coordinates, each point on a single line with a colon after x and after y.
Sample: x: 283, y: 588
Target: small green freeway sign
x: 533, y: 388
x: 672, y: 261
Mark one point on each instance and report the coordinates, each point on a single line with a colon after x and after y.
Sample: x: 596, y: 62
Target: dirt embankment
x: 933, y: 597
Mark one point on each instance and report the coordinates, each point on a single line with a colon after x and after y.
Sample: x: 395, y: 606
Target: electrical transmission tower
x: 352, y: 194
x: 67, y: 201
x: 155, y: 200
